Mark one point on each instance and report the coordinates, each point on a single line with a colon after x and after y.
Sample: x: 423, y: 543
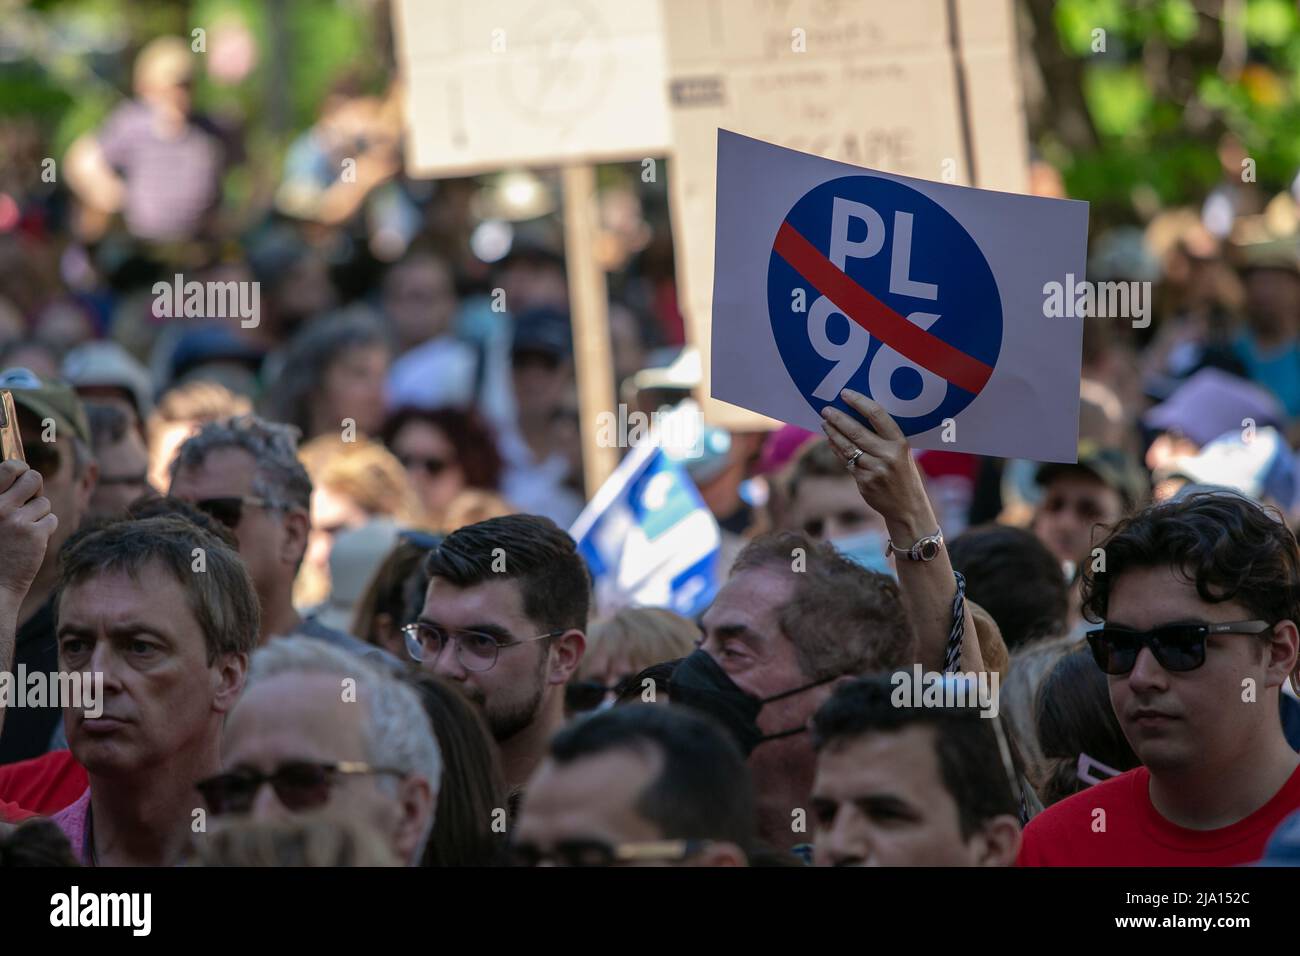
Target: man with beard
x: 505, y: 617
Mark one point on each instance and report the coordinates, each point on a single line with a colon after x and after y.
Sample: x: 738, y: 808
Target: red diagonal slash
x: 911, y: 341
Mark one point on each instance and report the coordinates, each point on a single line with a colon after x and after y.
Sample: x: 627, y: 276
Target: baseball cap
x: 211, y: 343
x: 1260, y: 467
x: 107, y: 364
x: 1111, y: 466
x: 45, y: 398
x: 543, y: 330
x: 1213, y: 402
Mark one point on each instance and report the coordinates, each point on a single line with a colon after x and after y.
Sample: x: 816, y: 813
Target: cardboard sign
x: 927, y: 297
x: 497, y: 83
x: 927, y: 88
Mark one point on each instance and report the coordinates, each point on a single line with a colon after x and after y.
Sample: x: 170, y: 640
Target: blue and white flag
x: 648, y: 537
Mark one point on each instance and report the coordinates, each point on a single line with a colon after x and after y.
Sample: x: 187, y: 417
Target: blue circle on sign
x: 939, y: 281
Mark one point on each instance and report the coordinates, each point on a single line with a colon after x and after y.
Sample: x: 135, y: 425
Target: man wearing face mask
x: 796, y: 616
x: 775, y: 640
x: 823, y: 502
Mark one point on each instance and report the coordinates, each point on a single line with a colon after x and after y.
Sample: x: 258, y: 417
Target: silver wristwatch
x: 926, y: 549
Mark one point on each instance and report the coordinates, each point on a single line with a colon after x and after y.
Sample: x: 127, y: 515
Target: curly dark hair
x: 1230, y: 547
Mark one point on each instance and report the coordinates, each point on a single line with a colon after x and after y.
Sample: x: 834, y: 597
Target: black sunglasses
x: 1176, y: 647
x: 432, y: 466
x: 299, y: 785
x: 229, y: 511
x: 580, y: 695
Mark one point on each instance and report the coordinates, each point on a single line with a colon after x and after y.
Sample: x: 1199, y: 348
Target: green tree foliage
x: 1161, y: 81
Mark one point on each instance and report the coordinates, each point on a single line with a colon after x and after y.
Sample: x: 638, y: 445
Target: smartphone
x: 11, y: 439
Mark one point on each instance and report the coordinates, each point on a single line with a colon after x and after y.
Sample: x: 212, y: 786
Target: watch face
x: 929, y: 550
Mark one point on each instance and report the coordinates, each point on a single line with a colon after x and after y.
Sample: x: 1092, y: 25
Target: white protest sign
x: 927, y: 88
x: 927, y: 297
x: 497, y: 83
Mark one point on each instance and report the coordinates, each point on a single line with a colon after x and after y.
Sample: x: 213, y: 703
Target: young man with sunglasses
x: 172, y: 647
x: 504, y: 618
x: 638, y: 786
x: 244, y: 472
x: 318, y: 730
x: 1199, y: 600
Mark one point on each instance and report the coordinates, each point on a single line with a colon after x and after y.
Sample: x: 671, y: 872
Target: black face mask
x: 700, y: 682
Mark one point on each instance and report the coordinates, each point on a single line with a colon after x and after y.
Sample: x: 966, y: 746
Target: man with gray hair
x: 244, y: 472
x: 334, y: 734
x: 169, y: 647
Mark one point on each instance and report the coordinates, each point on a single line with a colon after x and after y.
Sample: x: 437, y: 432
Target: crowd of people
x: 315, y: 566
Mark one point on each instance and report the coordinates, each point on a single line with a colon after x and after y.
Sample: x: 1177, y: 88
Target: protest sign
x: 928, y: 88
x: 927, y: 297
x: 498, y: 83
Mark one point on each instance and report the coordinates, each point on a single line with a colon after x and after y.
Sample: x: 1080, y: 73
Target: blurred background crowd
x: 416, y: 333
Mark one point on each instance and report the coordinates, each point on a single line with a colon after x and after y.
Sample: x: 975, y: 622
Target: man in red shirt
x: 1200, y: 603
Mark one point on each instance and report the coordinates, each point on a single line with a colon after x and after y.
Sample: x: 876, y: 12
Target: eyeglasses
x: 1177, y: 647
x: 475, y: 650
x: 433, y: 467
x: 299, y: 784
x: 600, y: 853
x: 580, y: 695
x: 229, y: 511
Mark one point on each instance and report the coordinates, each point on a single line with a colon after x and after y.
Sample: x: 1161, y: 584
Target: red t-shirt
x: 12, y: 813
x: 44, y: 784
x: 1070, y: 833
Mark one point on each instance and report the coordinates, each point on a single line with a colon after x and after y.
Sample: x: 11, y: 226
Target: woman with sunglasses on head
x: 1198, y: 602
x: 622, y: 645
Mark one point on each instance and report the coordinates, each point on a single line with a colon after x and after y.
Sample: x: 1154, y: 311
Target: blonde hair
x: 199, y: 402
x: 162, y: 61
x: 641, y: 636
x: 364, y: 471
x: 473, y: 505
